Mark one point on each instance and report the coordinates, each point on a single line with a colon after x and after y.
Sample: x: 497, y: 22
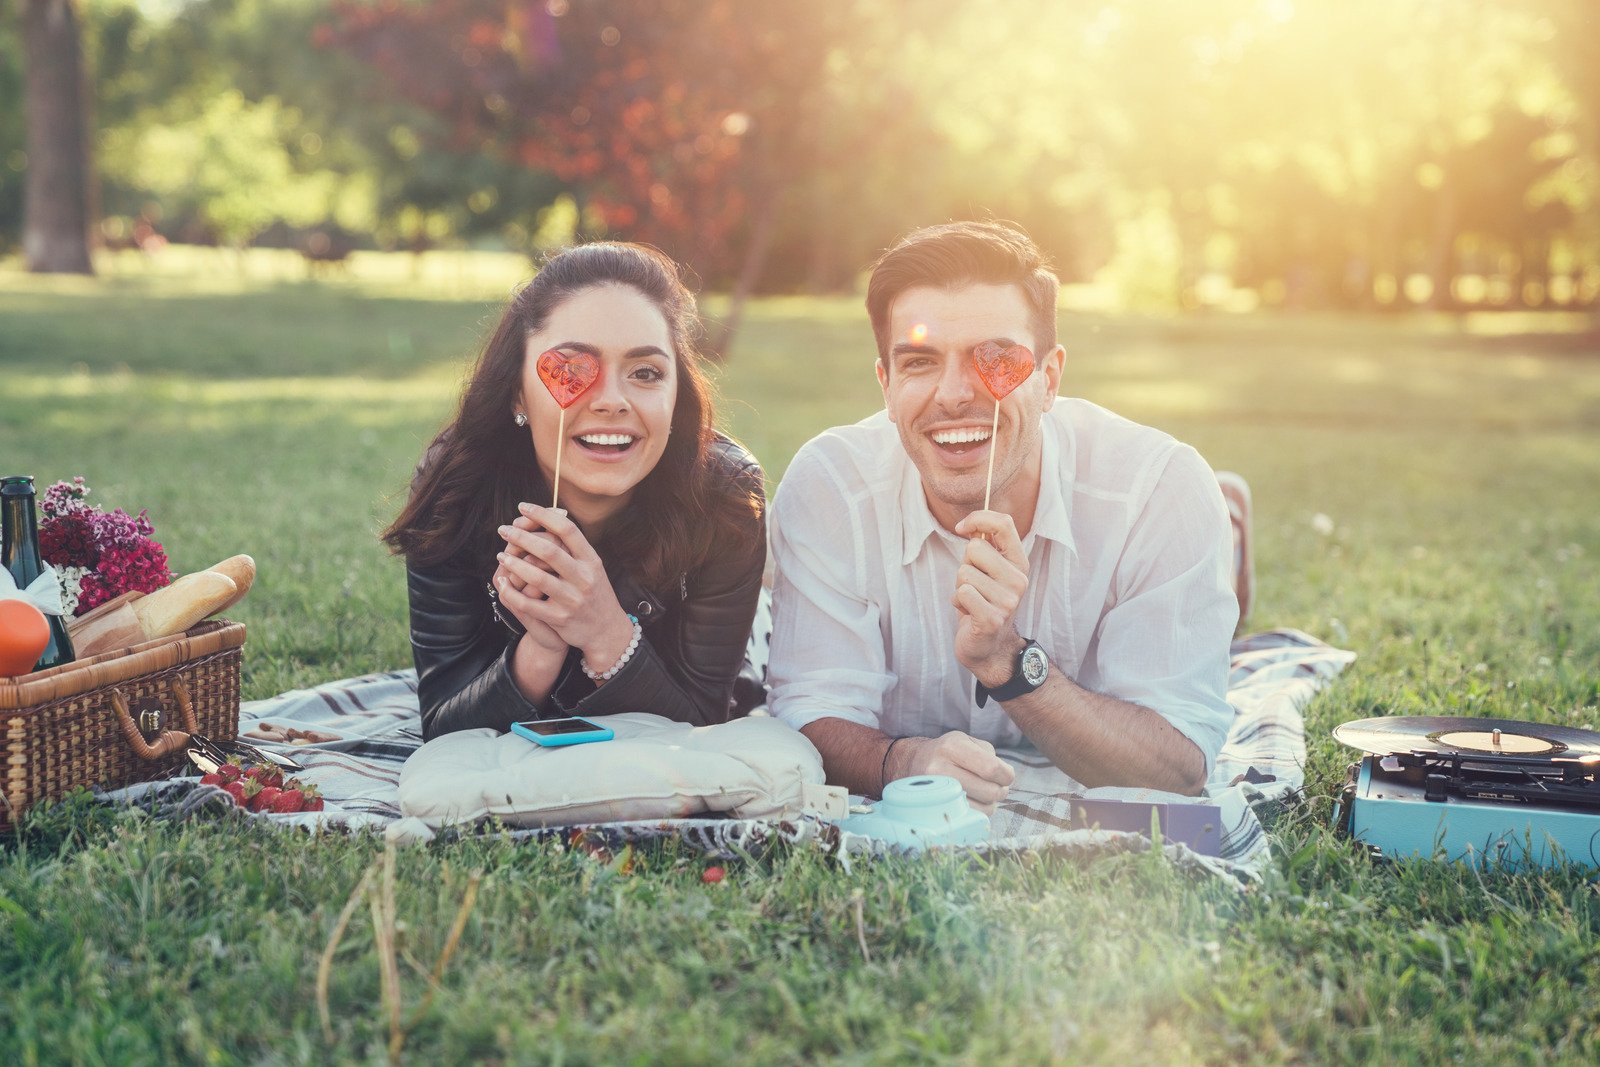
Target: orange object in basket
x: 24, y: 633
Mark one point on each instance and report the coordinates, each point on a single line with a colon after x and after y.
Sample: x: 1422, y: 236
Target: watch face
x: 1035, y: 667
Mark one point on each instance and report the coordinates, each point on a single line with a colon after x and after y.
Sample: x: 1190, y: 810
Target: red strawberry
x: 267, y: 776
x: 211, y: 779
x: 264, y: 798
x: 287, y: 802
x: 235, y: 789
x: 313, y: 797
x: 713, y: 875
x: 231, y: 771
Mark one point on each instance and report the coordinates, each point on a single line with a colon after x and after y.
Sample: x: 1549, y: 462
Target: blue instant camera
x: 916, y: 813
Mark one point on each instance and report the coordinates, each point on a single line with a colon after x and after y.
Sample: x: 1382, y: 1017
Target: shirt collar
x: 917, y: 523
x: 1052, y: 518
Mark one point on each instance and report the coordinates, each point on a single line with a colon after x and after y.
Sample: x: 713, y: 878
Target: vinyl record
x: 1449, y: 733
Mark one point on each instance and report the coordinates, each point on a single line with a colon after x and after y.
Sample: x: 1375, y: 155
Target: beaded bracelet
x: 627, y: 654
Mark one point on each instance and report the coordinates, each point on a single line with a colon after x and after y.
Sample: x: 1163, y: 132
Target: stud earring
x: 521, y: 418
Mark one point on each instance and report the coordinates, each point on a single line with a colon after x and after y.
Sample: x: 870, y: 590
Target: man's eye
x: 918, y: 363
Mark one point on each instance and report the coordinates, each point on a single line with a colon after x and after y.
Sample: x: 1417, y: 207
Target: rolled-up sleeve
x: 1164, y: 642
x: 828, y: 656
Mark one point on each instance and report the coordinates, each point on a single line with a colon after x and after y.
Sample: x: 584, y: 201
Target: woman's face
x: 614, y: 433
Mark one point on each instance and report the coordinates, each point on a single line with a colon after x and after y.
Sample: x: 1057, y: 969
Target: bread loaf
x: 183, y: 603
x: 242, y: 569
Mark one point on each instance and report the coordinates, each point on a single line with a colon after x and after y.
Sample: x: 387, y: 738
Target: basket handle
x: 170, y: 741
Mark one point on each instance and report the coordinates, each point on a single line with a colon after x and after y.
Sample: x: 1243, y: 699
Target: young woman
x: 638, y: 594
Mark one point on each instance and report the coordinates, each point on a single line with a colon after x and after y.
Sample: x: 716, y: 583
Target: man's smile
x: 960, y: 444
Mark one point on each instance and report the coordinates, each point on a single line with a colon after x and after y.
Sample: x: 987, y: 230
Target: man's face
x: 943, y: 411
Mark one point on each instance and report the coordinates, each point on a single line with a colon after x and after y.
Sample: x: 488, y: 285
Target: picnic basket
x: 117, y: 718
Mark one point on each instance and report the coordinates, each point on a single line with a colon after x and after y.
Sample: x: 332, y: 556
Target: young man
x: 1087, y: 611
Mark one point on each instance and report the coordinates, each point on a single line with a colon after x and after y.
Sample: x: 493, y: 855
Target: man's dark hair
x: 954, y: 254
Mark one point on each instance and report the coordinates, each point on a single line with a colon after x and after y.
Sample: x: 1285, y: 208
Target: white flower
x: 71, y: 586
x: 1322, y: 524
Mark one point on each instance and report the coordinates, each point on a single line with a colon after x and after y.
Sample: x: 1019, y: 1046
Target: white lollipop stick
x: 988, y: 481
x: 561, y: 435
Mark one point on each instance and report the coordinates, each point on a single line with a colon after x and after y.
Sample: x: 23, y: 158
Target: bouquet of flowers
x: 98, y: 554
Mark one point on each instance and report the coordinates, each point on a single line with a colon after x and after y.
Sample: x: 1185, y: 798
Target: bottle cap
x: 16, y: 485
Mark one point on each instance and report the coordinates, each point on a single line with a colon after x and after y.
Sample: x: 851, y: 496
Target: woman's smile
x: 607, y: 446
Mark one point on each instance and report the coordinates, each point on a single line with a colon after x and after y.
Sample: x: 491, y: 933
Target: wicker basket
x: 103, y: 720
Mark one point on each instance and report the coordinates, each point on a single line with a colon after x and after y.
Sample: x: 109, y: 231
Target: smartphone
x: 553, y: 733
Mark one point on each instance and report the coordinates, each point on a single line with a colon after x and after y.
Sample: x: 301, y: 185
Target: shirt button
x: 643, y: 609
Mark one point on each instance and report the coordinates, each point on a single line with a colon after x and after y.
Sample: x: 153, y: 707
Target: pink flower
x: 114, y: 548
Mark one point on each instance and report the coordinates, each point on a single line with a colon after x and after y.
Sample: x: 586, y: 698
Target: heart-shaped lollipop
x: 568, y: 376
x: 1002, y: 367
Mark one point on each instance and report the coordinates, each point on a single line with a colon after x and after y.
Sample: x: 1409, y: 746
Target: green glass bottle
x: 19, y: 554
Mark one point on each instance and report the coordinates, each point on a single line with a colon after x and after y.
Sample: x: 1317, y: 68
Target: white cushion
x: 752, y: 768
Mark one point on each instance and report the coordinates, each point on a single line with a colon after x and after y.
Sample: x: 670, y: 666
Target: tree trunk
x: 59, y: 194
x: 755, y: 258
x: 1442, y: 247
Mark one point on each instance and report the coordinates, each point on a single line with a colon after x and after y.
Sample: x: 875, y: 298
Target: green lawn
x: 256, y: 411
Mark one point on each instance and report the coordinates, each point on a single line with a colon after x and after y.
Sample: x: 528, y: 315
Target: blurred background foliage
x: 1232, y: 153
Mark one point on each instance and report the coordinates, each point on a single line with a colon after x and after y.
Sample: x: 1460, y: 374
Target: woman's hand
x: 513, y: 597
x: 564, y: 585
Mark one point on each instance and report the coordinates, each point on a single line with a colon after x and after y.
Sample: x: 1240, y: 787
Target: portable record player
x: 1481, y: 790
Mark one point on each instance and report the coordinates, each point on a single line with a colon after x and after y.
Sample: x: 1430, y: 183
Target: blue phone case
x: 599, y: 733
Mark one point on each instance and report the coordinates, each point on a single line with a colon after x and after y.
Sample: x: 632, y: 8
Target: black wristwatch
x: 1031, y: 669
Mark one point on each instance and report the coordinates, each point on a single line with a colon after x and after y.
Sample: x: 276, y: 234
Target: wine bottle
x: 19, y: 554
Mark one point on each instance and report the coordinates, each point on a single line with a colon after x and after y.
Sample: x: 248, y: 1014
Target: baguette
x: 183, y: 603
x: 242, y: 569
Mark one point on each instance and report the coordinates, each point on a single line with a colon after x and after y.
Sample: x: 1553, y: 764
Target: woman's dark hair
x: 481, y: 465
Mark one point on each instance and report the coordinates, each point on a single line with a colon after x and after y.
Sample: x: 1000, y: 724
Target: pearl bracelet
x: 622, y: 661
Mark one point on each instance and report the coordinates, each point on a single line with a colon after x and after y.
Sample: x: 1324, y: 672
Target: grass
x: 254, y: 410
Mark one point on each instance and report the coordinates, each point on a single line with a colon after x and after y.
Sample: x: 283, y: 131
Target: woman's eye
x: 647, y: 374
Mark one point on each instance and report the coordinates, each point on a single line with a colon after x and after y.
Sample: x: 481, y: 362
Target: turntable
x: 1493, y: 791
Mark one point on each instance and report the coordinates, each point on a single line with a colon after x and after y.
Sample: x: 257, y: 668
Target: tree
x: 718, y: 130
x: 59, y: 197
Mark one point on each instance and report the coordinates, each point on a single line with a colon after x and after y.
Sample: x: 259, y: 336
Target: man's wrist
x: 1001, y: 667
x: 899, y: 759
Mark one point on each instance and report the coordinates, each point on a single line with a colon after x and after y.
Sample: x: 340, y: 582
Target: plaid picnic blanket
x: 376, y: 716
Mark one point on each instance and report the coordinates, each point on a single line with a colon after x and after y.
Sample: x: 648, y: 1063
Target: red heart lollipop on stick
x: 568, y: 376
x: 1002, y: 368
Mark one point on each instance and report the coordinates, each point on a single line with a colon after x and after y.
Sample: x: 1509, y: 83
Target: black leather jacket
x: 692, y: 648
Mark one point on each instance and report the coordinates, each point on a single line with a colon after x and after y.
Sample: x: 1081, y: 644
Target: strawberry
x: 231, y: 771
x: 313, y: 797
x: 287, y: 802
x: 713, y: 875
x: 235, y: 789
x: 264, y: 797
x: 267, y: 776
x: 211, y: 779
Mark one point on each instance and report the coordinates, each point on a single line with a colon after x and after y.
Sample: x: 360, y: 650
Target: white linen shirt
x: 1130, y: 588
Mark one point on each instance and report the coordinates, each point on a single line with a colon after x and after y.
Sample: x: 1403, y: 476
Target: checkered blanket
x: 1274, y: 674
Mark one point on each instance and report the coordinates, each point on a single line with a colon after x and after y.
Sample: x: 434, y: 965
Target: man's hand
x: 989, y: 585
x: 985, y: 776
